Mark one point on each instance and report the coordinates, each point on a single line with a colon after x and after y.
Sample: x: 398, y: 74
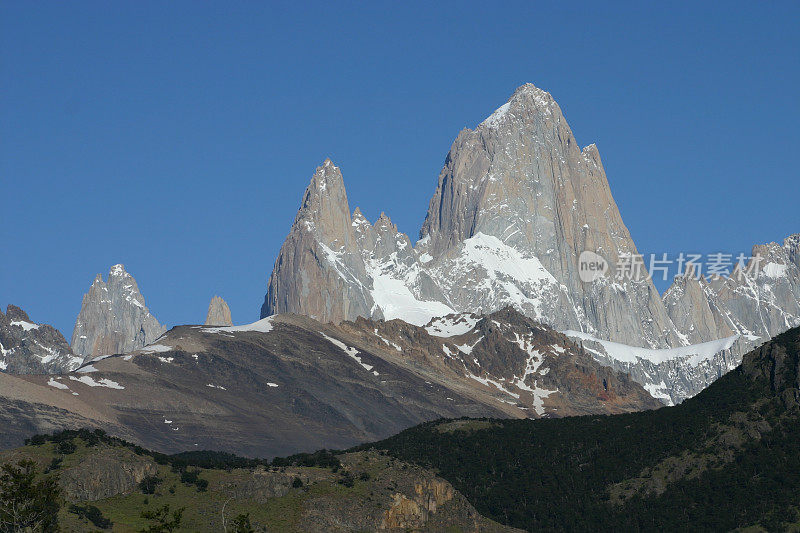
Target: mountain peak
x: 27, y: 347
x: 219, y: 314
x: 15, y: 313
x: 113, y: 317
x: 530, y: 90
x: 325, y: 211
x: 525, y: 100
x: 118, y: 270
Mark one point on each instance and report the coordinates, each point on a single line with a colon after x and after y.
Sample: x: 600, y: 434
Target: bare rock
x: 219, y: 314
x: 113, y: 317
x: 30, y: 348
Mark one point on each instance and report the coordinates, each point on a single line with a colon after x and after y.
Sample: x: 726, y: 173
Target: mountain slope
x: 289, y: 383
x: 113, y: 317
x: 108, y: 484
x: 722, y: 460
x: 29, y: 348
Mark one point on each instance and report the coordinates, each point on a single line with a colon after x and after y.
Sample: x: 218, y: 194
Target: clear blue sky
x: 178, y: 137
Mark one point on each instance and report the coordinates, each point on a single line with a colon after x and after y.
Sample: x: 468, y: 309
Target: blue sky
x: 178, y: 137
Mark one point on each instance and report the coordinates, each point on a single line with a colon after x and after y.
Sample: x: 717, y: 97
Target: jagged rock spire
x: 219, y: 314
x: 113, y: 317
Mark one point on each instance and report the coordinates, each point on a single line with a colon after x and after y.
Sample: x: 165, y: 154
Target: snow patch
x: 659, y: 391
x: 696, y: 353
x: 395, y: 300
x: 27, y: 326
x: 466, y: 348
x: 493, y: 120
x: 772, y: 270
x: 388, y: 342
x: 350, y: 351
x: 156, y: 348
x: 262, y: 326
x: 56, y: 384
x: 452, y: 325
x: 107, y: 383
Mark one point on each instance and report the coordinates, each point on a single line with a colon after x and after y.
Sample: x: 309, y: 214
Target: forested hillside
x: 728, y: 458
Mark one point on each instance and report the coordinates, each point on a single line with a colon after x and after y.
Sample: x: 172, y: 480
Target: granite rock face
x: 758, y: 300
x: 113, y: 317
x: 516, y: 204
x: 219, y: 314
x: 30, y: 348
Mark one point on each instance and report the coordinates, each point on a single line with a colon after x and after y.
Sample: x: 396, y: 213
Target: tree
x: 148, y: 484
x: 25, y: 503
x: 162, y: 520
x: 92, y: 514
x: 241, y: 524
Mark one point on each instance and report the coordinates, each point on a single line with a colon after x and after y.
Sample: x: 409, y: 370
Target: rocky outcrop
x: 219, y: 314
x: 694, y: 310
x: 107, y: 472
x: 30, y: 348
x: 113, y: 317
x: 760, y: 299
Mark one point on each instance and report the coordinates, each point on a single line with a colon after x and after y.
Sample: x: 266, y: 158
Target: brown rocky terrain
x: 288, y: 383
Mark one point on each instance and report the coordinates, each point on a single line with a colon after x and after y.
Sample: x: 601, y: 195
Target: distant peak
x: 118, y: 270
x: 327, y: 175
x: 324, y: 208
x: 525, y: 97
x: 15, y: 313
x: 531, y: 89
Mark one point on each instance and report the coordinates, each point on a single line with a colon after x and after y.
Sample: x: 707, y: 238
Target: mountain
x: 113, y: 317
x: 758, y: 300
x: 325, y: 385
x: 30, y: 348
x: 723, y: 460
x: 219, y: 314
x: 517, y: 205
x: 107, y: 484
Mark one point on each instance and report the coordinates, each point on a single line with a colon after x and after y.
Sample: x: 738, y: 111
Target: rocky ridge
x: 328, y: 386
x: 758, y: 300
x: 30, y: 348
